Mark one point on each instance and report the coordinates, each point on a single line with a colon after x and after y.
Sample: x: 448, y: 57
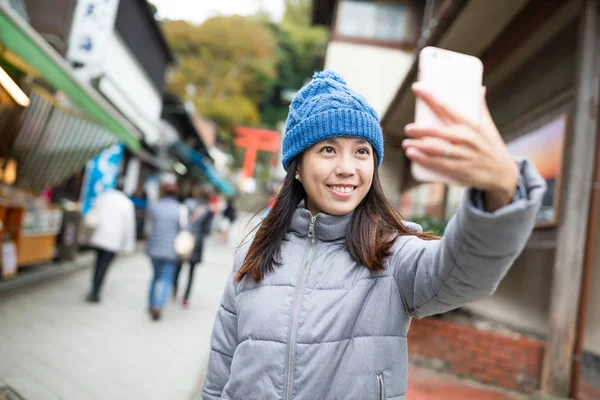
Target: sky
x: 197, y: 11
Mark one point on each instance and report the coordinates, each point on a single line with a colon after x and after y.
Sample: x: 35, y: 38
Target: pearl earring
x: 298, y: 176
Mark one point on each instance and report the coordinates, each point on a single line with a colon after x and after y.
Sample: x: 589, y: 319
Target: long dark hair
x: 374, y: 227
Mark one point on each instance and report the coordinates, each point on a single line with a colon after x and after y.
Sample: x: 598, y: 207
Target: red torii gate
x: 254, y: 139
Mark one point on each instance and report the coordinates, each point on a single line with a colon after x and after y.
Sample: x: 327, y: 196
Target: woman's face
x: 337, y: 174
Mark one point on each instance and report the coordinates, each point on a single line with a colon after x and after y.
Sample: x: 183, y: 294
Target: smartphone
x: 454, y: 78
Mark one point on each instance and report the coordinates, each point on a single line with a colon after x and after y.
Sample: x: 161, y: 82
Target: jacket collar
x: 327, y: 227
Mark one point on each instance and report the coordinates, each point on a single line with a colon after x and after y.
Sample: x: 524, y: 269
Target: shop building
x: 540, y: 332
x: 63, y: 112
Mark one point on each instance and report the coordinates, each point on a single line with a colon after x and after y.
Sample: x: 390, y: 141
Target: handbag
x: 91, y: 220
x: 185, y: 240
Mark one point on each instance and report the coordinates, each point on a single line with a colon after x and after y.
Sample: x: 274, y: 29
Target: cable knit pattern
x: 327, y: 108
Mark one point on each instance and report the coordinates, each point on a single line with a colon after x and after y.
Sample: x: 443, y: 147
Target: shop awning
x: 53, y: 142
x: 459, y: 28
x: 20, y: 39
x: 198, y: 160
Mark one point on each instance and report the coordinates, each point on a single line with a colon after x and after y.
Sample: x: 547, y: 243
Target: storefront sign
x: 93, y: 22
x: 42, y: 222
x: 101, y: 174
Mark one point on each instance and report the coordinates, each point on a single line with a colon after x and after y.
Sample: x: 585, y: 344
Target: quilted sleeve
x: 472, y: 257
x: 224, y: 340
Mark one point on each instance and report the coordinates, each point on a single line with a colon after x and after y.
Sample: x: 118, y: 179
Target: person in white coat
x: 114, y: 233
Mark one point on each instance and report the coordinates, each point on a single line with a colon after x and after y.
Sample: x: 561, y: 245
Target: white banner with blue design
x: 93, y: 22
x: 101, y: 174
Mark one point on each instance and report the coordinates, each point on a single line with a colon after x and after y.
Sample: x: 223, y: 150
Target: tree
x: 239, y: 67
x: 300, y: 50
x: 297, y: 12
x: 231, y: 63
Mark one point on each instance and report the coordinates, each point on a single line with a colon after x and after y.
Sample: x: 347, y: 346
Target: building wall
x: 390, y: 173
x: 52, y: 19
x: 129, y: 87
x: 374, y: 72
x: 551, y: 73
x: 592, y: 325
x: 522, y: 300
x: 143, y: 36
x: 513, y: 363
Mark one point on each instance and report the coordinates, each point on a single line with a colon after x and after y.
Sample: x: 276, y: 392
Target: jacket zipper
x: 380, y: 387
x: 299, y: 288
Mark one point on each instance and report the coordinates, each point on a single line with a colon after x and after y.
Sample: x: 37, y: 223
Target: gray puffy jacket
x: 324, y: 327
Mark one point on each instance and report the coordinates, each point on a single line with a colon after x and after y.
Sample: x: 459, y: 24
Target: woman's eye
x: 363, y: 152
x: 328, y: 150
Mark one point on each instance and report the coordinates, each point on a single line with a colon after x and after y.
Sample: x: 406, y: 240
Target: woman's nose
x: 344, y: 167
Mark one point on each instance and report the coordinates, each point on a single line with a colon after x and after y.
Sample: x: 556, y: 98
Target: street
x: 53, y: 345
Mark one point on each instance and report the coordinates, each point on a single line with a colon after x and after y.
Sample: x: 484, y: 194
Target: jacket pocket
x: 380, y: 386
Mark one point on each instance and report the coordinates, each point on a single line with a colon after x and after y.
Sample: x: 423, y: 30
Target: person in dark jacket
x: 319, y: 304
x: 229, y: 217
x: 200, y: 215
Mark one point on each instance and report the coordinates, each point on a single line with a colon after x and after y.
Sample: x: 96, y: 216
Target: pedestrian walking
x: 228, y: 218
x: 320, y: 302
x: 165, y: 224
x: 215, y: 206
x: 200, y: 215
x: 114, y: 231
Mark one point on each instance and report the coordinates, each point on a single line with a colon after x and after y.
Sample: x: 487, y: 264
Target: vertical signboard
x: 101, y: 175
x: 93, y: 22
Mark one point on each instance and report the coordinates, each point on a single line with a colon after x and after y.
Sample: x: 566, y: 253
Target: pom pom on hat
x: 329, y: 74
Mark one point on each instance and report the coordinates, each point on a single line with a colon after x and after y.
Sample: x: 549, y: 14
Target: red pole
x: 250, y: 159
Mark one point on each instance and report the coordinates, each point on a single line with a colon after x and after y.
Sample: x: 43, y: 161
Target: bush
x: 431, y: 224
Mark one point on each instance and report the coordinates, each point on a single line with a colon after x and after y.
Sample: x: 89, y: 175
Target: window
x: 375, y: 21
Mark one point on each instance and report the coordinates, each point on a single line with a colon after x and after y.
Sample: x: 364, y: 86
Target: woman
x: 165, y: 225
x: 199, y: 215
x: 319, y: 305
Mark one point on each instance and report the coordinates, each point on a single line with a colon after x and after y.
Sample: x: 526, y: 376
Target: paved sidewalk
x: 53, y: 345
x: 425, y: 384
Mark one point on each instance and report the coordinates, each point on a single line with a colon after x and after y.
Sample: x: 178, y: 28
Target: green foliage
x: 230, y: 62
x: 300, y: 50
x: 297, y: 12
x: 235, y: 69
x: 431, y: 224
x: 229, y: 112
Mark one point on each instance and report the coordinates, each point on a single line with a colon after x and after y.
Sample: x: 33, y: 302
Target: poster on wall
x: 101, y: 174
x: 544, y: 148
x: 8, y: 260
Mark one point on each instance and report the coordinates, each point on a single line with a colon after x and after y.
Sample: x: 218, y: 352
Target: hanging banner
x: 101, y: 174
x: 93, y: 22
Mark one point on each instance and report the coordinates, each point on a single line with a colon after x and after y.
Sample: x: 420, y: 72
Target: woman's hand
x: 470, y: 152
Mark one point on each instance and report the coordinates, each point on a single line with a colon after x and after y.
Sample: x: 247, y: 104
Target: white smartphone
x: 454, y: 78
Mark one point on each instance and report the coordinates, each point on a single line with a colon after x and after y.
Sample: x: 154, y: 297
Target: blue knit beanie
x: 327, y: 108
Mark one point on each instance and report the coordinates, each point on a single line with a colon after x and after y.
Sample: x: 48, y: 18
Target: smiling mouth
x: 342, y: 189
